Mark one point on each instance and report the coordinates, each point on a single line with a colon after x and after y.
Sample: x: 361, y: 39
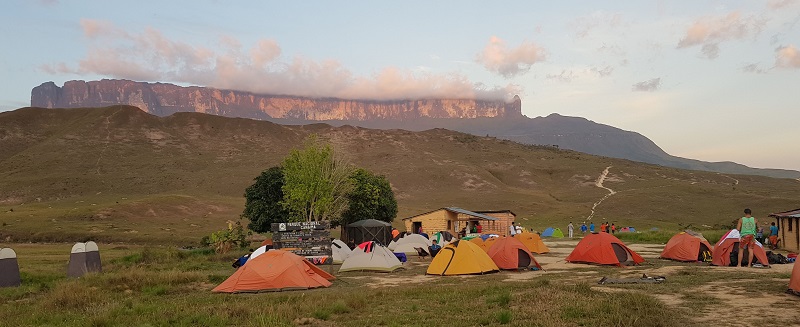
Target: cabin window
x: 790, y: 224
x: 449, y: 225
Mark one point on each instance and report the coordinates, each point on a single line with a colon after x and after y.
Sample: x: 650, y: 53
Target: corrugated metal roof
x: 470, y: 213
x: 792, y: 213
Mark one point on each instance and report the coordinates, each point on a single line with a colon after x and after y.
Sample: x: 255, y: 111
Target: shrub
x: 225, y: 240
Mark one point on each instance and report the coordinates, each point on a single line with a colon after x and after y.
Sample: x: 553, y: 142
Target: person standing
x: 613, y: 228
x: 512, y: 230
x: 478, y: 228
x: 591, y: 227
x: 584, y: 228
x: 569, y: 229
x: 773, y: 236
x: 747, y: 232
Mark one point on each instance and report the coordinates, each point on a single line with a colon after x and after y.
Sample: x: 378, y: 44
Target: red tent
x: 726, y: 244
x: 604, y: 249
x: 510, y: 253
x: 686, y: 246
x: 275, y: 270
x: 794, y: 281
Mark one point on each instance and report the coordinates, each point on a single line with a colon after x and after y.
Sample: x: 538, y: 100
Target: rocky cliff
x: 165, y: 99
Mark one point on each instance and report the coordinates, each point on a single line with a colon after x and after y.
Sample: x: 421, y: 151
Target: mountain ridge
x: 478, y: 117
x: 118, y: 173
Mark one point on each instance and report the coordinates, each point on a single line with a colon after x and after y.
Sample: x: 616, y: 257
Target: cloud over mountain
x: 261, y: 68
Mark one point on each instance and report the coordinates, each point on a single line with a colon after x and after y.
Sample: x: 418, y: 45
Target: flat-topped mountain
x: 165, y: 99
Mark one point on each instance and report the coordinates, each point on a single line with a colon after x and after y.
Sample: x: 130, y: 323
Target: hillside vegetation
x: 119, y: 174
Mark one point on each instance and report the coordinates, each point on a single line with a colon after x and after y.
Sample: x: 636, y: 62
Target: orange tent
x: 604, y: 249
x: 510, y: 253
x: 479, y: 241
x: 275, y: 270
x: 266, y: 242
x: 794, y: 281
x: 726, y: 244
x: 686, y: 246
x: 533, y: 242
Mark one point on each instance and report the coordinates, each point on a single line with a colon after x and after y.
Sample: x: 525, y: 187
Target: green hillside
x: 119, y: 174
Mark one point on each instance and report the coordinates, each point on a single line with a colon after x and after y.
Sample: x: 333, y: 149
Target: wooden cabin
x: 788, y: 224
x: 453, y: 219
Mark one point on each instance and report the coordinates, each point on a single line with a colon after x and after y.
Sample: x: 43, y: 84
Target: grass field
x: 164, y: 286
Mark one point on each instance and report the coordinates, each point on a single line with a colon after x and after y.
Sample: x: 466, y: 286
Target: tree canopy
x: 371, y: 198
x: 314, y: 184
x: 264, y: 201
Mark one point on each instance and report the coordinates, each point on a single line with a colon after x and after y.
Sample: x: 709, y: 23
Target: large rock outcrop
x: 165, y: 99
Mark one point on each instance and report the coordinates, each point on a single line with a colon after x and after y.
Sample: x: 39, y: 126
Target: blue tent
x: 548, y: 232
x: 485, y: 236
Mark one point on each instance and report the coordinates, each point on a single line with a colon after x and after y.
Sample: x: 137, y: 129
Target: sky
x: 707, y: 80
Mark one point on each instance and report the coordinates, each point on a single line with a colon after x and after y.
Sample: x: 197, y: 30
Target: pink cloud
x: 709, y: 32
x: 780, y: 4
x: 152, y: 56
x: 787, y: 57
x: 498, y: 58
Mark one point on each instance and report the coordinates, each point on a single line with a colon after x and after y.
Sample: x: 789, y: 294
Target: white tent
x: 9, y: 269
x: 378, y: 259
x: 408, y: 243
x: 340, y: 251
x: 257, y: 253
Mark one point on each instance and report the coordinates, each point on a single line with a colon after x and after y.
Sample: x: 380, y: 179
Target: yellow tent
x: 533, y: 242
x: 461, y: 258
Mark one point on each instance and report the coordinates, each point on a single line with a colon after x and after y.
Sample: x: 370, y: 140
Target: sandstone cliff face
x: 164, y: 99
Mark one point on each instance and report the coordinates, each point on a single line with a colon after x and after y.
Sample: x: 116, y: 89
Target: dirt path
x: 599, y: 183
x: 108, y: 142
x: 735, y: 181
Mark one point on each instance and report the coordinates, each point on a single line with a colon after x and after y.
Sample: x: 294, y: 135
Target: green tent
x: 557, y: 233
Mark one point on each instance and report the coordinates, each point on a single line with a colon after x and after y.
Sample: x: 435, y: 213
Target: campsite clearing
x: 167, y: 286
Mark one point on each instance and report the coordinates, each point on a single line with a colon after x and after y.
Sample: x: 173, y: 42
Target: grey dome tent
x: 9, y: 269
x: 369, y: 230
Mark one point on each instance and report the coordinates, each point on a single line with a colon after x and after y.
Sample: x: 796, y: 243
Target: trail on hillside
x: 108, y: 141
x: 599, y: 183
x: 735, y: 181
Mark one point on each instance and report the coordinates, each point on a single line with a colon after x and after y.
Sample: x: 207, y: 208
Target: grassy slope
x: 119, y: 174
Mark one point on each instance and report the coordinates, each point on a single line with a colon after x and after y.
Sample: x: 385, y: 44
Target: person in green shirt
x: 747, y: 232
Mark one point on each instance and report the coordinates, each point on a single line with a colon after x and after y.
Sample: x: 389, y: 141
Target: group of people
x: 474, y: 228
x: 604, y: 227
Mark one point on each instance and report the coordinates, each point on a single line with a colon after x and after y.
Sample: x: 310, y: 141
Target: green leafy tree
x: 264, y: 201
x: 316, y: 182
x: 371, y: 198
